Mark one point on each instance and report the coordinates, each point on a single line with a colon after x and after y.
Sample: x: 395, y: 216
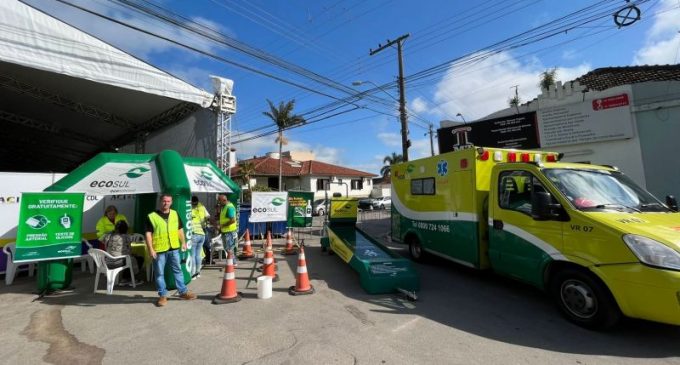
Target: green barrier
x: 380, y: 270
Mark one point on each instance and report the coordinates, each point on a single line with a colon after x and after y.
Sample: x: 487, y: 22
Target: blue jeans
x: 159, y: 270
x: 196, y: 249
x: 230, y: 241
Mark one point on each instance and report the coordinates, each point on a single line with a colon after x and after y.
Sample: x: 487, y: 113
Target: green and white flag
x: 49, y: 226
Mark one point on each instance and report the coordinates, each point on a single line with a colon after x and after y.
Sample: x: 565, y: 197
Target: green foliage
x: 390, y: 160
x: 548, y: 78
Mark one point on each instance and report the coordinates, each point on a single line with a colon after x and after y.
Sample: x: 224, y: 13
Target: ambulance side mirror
x: 672, y: 203
x: 542, y: 208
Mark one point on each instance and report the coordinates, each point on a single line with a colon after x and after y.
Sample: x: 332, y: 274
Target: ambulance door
x: 519, y: 246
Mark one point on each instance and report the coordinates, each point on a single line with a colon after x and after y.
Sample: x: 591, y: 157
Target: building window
x: 358, y: 184
x: 322, y: 184
x: 423, y: 186
x: 273, y: 183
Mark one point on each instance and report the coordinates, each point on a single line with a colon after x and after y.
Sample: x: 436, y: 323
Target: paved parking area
x: 461, y: 317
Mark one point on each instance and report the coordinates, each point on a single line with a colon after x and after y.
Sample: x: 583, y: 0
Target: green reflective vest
x: 198, y: 219
x: 224, y: 219
x: 105, y: 226
x: 165, y: 234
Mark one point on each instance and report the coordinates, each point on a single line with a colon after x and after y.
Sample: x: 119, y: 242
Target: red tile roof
x: 267, y: 166
x: 607, y: 77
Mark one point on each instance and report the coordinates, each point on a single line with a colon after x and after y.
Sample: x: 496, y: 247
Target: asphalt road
x: 462, y: 317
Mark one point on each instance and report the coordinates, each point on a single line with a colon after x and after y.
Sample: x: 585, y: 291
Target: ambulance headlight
x: 652, y: 252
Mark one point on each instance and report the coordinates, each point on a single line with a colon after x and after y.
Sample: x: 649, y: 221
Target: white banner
x: 204, y: 179
x: 118, y: 178
x: 269, y: 207
x: 597, y: 120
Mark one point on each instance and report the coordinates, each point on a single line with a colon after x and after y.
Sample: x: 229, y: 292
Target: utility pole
x: 403, y: 117
x: 430, y: 132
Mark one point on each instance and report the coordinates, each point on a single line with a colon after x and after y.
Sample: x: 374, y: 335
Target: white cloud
x: 663, y: 41
x: 421, y: 148
x: 419, y: 105
x: 486, y: 86
x: 390, y: 139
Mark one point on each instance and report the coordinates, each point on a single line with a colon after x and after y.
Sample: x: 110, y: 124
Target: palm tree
x: 284, y: 118
x: 514, y: 102
x: 390, y: 160
x: 548, y: 78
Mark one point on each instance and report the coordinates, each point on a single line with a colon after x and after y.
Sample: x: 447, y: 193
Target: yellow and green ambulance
x: 586, y: 234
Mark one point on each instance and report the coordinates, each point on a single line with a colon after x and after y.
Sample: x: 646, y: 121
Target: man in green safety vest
x: 228, y: 225
x: 164, y: 239
x: 199, y: 222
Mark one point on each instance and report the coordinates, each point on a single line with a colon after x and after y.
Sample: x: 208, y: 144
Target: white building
x: 627, y: 117
x: 315, y: 176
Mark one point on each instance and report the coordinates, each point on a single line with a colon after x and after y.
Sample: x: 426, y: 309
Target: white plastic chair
x: 11, y: 267
x: 85, y: 260
x: 100, y: 257
x: 217, y: 246
x: 137, y: 237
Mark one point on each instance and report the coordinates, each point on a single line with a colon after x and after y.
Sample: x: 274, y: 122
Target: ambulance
x: 600, y: 245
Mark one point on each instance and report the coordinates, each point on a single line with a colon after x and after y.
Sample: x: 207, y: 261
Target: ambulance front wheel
x: 415, y: 249
x: 583, y: 299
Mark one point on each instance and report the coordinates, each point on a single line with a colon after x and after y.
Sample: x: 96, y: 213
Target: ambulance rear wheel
x: 415, y: 249
x: 583, y: 299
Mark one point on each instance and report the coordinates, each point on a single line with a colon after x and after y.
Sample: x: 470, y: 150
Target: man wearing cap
x: 164, y: 239
x: 228, y: 226
x: 199, y: 221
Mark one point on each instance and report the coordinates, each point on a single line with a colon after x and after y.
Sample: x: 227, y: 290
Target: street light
x: 461, y: 117
x: 361, y: 82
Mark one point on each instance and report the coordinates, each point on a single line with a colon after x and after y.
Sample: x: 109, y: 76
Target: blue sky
x: 332, y: 39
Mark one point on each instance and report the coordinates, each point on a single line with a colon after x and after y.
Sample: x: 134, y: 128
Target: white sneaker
x: 198, y: 276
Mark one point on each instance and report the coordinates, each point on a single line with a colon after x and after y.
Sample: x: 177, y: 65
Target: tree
x: 246, y: 169
x: 548, y: 78
x: 514, y: 102
x: 390, y: 160
x: 284, y: 118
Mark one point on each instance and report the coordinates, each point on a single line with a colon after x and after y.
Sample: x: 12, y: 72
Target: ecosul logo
x: 206, y: 175
x: 278, y: 201
x: 133, y: 173
x: 136, y: 172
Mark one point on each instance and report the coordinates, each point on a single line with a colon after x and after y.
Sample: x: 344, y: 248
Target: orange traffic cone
x: 228, y: 293
x: 247, y: 252
x: 266, y: 244
x: 290, y: 249
x: 302, y: 285
x: 269, y: 268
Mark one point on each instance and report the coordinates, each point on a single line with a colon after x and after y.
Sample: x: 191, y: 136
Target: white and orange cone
x: 269, y: 267
x: 302, y: 285
x: 290, y: 249
x: 228, y: 293
x: 247, y: 252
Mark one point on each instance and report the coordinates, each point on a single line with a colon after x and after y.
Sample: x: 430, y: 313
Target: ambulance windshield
x: 603, y: 190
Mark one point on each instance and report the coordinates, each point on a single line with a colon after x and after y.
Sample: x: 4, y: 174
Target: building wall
x: 335, y: 187
x: 657, y: 111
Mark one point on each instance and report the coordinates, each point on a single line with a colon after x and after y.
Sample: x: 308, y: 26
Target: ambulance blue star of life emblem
x: 442, y: 167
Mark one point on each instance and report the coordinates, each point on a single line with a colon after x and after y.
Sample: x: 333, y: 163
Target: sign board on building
x: 603, y: 119
x: 300, y: 208
x: 49, y: 226
x: 269, y: 207
x: 515, y: 131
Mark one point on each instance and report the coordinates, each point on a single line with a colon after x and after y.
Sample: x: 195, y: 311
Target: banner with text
x: 300, y: 208
x: 514, y: 131
x: 603, y: 119
x: 269, y: 207
x: 49, y: 226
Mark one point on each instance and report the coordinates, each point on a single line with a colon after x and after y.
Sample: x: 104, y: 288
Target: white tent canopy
x: 33, y: 39
x: 66, y: 95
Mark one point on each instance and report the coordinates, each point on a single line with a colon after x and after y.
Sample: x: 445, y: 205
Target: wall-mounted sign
x: 515, y: 131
